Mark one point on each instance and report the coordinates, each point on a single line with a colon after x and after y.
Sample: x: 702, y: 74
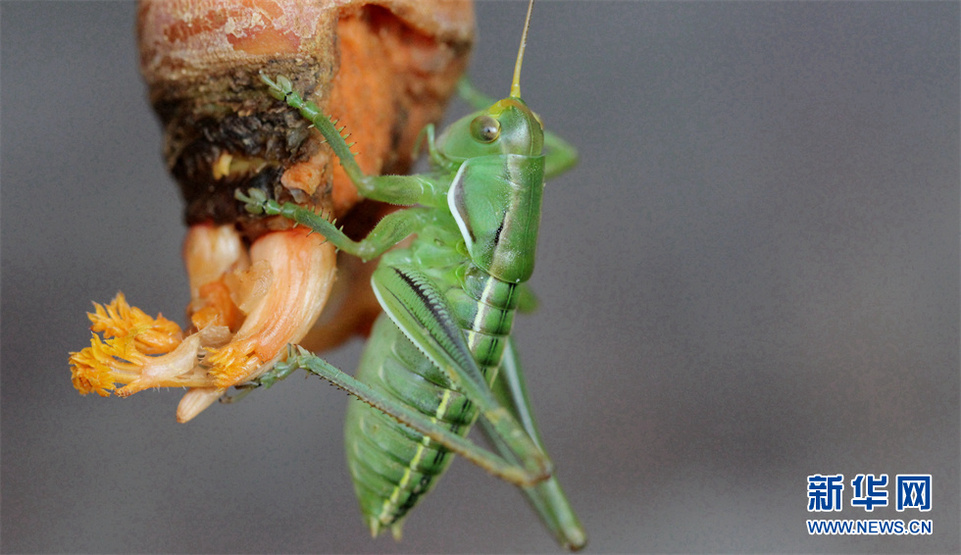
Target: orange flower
x: 246, y: 307
x: 119, y: 319
x: 124, y: 356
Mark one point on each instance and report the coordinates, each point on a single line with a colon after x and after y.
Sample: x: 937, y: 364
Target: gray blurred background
x: 751, y: 277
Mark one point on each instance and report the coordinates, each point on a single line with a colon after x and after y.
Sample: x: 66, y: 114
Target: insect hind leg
x: 417, y: 421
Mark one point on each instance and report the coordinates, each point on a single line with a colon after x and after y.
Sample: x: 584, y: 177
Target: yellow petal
x: 119, y: 319
x: 175, y: 369
x: 103, y: 364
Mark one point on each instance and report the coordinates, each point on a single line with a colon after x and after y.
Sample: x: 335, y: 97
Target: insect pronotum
x: 441, y: 355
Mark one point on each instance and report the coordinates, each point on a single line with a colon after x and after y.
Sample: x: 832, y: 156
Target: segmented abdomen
x: 392, y: 466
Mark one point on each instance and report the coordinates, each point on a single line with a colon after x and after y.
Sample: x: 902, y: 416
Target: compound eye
x: 485, y: 129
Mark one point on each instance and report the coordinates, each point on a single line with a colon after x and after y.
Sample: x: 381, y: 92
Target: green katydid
x: 441, y: 354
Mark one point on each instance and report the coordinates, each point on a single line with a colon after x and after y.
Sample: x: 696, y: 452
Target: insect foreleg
x: 527, y: 301
x: 561, y: 155
x: 391, y: 229
x: 427, y: 133
x: 472, y: 95
x: 395, y: 189
x: 547, y: 498
x: 415, y: 420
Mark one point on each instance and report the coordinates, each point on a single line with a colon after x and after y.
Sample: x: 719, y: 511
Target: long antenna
x: 516, y: 84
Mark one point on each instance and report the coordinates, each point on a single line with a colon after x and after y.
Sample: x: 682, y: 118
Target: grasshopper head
x: 507, y: 127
